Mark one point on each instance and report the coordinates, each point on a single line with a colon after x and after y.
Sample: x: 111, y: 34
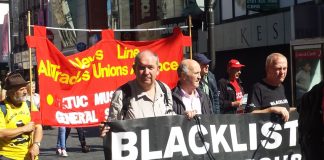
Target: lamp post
x: 211, y: 29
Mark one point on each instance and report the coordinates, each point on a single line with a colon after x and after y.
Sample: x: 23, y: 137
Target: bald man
x: 188, y: 99
x: 147, y: 96
x: 268, y: 95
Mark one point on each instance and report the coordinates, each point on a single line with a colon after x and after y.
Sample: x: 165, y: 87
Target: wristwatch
x: 37, y: 143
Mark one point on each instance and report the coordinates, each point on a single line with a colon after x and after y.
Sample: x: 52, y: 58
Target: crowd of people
x: 197, y: 92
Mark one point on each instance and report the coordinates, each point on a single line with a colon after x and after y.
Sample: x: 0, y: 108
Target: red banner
x: 76, y: 90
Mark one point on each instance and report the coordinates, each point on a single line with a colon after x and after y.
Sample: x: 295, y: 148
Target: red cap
x: 233, y: 63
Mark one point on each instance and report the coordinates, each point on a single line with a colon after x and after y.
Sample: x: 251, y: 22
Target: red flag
x: 76, y: 90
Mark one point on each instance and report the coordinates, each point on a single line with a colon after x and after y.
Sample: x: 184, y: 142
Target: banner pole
x: 30, y: 62
x: 190, y: 47
x: 31, y: 136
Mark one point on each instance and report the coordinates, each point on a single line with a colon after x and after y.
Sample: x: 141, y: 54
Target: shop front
x: 307, y: 65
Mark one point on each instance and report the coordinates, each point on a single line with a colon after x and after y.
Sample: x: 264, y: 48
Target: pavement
x: 48, y: 145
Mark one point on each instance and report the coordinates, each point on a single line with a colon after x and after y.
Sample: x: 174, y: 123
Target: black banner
x: 226, y: 137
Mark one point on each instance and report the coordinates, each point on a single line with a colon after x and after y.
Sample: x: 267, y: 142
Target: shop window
x: 227, y: 9
x: 240, y: 8
x: 307, y: 69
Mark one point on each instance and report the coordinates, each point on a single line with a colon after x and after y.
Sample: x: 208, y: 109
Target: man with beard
x: 19, y: 137
x: 268, y: 95
x: 188, y: 99
x: 142, y: 97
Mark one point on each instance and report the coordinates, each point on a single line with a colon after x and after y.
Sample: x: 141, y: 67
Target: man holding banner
x: 19, y: 137
x: 144, y: 96
x: 187, y: 98
x: 268, y: 96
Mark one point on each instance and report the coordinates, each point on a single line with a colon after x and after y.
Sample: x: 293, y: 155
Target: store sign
x: 308, y: 54
x: 261, y: 5
x: 256, y: 32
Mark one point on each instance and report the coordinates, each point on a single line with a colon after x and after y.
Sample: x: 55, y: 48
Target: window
x: 240, y: 8
x: 307, y: 68
x: 227, y: 9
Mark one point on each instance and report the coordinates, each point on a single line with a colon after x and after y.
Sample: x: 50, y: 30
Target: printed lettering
x: 146, y: 153
x: 117, y: 139
x: 86, y: 61
x: 175, y: 143
x: 76, y: 117
x: 127, y: 53
x: 192, y: 140
x: 103, y: 97
x: 75, y: 102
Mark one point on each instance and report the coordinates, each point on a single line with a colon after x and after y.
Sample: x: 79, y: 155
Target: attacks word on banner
x: 76, y: 90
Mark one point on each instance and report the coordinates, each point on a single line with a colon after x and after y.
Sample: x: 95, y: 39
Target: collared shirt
x: 141, y: 105
x: 191, y: 102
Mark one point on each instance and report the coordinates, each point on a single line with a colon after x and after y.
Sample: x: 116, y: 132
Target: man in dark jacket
x: 187, y: 98
x: 311, y: 123
x: 231, y: 90
x: 208, y: 82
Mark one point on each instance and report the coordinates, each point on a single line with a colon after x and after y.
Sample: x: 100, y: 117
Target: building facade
x: 243, y: 30
x: 251, y: 34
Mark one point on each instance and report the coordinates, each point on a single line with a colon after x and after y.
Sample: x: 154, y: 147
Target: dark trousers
x: 81, y: 134
x: 313, y: 148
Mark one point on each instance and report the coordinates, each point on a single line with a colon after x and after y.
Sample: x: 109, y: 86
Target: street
x: 48, y: 145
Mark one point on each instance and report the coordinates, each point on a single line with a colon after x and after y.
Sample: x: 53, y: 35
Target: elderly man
x: 187, y: 98
x: 143, y: 97
x: 19, y: 137
x: 268, y: 96
x: 208, y: 82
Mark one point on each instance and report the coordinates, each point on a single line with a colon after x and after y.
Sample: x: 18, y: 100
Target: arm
x: 104, y: 129
x: 275, y: 109
x: 223, y: 95
x: 9, y: 133
x: 116, y: 105
x: 215, y: 92
x: 38, y: 136
x: 169, y: 107
x: 114, y: 112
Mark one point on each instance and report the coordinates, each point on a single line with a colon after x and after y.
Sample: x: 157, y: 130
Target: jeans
x: 61, y: 140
